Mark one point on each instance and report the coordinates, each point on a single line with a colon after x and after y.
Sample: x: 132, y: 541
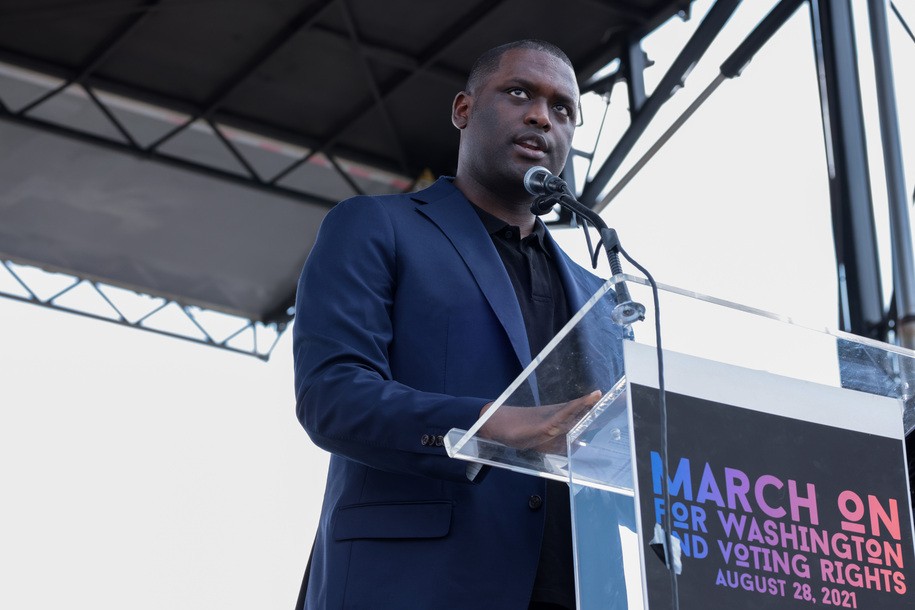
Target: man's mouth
x: 533, y: 145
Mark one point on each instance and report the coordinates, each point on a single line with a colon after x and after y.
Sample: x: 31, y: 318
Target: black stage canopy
x: 188, y: 149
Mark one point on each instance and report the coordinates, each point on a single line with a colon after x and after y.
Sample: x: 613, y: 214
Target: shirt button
x: 508, y: 234
x: 535, y: 502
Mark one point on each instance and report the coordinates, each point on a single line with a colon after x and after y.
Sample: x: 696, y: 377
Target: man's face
x: 522, y: 115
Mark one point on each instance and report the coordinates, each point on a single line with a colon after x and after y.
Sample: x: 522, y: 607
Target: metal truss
x: 99, y: 301
x: 636, y: 62
x: 424, y: 63
x: 126, y: 142
x: 230, y: 134
x: 211, y: 117
x: 861, y: 301
x: 227, y: 134
x: 211, y: 112
x: 223, y: 127
x: 643, y: 108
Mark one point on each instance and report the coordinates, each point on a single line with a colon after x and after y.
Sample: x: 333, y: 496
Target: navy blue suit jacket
x: 406, y: 325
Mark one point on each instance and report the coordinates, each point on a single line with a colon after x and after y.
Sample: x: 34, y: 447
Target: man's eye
x: 563, y: 109
x: 518, y: 92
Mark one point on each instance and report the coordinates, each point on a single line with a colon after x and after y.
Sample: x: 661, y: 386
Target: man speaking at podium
x: 413, y: 313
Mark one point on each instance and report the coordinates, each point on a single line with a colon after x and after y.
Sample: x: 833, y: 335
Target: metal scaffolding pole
x: 900, y: 224
x: 861, y: 296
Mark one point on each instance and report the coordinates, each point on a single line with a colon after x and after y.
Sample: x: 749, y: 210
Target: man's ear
x: 460, y: 109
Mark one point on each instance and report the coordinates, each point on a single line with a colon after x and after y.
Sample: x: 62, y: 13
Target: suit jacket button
x: 439, y: 441
x: 426, y: 440
x: 535, y: 502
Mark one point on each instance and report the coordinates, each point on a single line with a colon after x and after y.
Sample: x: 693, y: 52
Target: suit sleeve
x: 346, y: 398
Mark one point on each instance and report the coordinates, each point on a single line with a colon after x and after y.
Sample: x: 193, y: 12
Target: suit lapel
x: 447, y: 207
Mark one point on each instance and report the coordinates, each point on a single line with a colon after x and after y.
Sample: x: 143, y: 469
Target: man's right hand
x: 542, y: 428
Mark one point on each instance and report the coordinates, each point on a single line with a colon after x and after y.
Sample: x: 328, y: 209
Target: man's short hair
x: 487, y: 63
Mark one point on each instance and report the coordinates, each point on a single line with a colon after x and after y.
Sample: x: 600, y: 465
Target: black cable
x: 592, y: 251
x: 662, y: 412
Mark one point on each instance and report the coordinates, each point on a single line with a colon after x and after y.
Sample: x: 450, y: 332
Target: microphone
x: 539, y: 181
x: 551, y: 190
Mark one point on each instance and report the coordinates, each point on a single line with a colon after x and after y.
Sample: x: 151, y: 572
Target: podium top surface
x: 587, y: 355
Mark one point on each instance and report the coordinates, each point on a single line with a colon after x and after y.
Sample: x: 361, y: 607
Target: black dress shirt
x: 542, y: 299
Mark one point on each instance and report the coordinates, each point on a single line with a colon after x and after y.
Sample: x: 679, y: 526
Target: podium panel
x: 783, y: 453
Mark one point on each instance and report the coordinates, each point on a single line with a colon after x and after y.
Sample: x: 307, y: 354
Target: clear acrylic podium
x: 598, y: 460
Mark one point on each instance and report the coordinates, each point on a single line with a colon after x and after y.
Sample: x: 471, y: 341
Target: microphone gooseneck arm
x: 626, y: 311
x: 553, y: 190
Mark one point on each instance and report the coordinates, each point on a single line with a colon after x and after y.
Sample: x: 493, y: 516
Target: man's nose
x: 538, y: 115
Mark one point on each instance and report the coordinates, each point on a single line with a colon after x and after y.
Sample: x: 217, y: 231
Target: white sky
x: 144, y: 472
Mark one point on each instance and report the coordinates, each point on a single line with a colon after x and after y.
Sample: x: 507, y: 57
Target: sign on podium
x: 780, y: 473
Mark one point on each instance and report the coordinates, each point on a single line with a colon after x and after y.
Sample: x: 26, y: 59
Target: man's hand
x: 543, y: 428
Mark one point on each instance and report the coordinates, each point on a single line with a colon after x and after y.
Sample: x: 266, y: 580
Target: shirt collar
x: 495, y: 225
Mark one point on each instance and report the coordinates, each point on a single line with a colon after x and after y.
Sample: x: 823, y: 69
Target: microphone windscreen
x: 535, y: 180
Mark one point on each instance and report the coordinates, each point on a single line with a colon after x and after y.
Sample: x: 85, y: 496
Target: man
x: 413, y: 313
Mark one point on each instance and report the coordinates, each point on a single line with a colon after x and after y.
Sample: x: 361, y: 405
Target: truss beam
x: 102, y: 52
x: 454, y: 33
x: 301, y: 22
x: 369, y: 79
x: 166, y: 159
x: 698, y: 43
x: 187, y: 323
